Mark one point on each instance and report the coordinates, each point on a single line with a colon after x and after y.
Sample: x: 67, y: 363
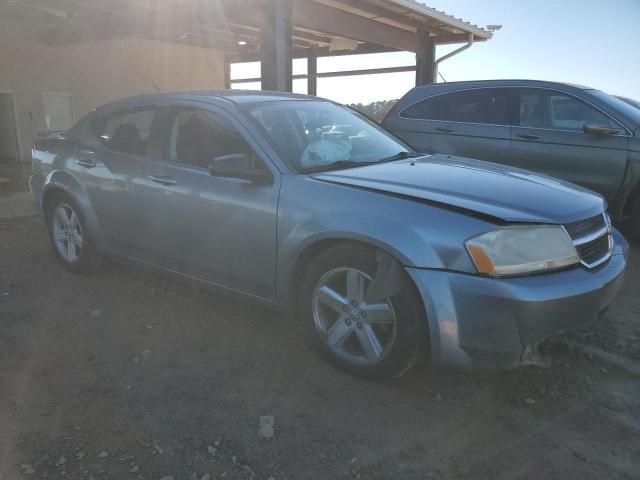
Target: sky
x: 588, y: 42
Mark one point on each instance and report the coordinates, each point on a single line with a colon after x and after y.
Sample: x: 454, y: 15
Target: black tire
x: 88, y: 259
x: 411, y: 339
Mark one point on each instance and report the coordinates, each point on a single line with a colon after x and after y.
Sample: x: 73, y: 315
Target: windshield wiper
x: 340, y: 164
x: 401, y: 156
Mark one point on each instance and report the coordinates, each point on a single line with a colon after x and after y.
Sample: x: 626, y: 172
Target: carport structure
x: 270, y: 31
x: 279, y: 30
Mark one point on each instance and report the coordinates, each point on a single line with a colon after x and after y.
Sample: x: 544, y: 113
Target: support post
x: 227, y: 73
x: 425, y: 60
x: 276, y: 45
x: 312, y: 73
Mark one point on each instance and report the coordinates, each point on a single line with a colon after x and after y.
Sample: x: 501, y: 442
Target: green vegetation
x: 374, y: 110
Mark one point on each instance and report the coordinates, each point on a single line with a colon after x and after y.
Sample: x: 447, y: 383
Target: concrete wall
x: 96, y: 73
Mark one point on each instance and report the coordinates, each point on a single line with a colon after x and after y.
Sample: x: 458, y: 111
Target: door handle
x: 444, y: 129
x: 163, y: 179
x: 86, y: 163
x: 85, y: 159
x: 528, y: 136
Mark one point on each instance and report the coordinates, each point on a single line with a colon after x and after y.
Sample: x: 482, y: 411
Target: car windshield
x: 319, y: 135
x: 630, y: 101
x: 624, y: 107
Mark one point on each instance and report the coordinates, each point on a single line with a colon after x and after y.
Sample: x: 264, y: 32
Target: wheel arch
x: 304, y: 257
x: 62, y: 183
x: 290, y: 291
x: 49, y: 195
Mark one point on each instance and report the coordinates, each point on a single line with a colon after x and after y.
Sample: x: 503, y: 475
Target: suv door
x: 114, y: 164
x: 550, y: 139
x: 221, y: 230
x: 469, y: 123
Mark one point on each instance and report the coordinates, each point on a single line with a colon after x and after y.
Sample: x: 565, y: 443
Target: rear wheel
x: 70, y: 236
x: 372, y: 339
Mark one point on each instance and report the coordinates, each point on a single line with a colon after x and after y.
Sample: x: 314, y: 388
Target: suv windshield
x: 318, y: 135
x: 624, y: 107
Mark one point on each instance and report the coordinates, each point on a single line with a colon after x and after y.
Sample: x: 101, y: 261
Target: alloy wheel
x: 359, y: 332
x: 67, y: 232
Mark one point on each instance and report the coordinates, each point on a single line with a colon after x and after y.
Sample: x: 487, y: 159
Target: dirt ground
x: 128, y: 374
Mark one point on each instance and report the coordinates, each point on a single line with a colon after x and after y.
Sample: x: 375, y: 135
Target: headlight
x: 520, y: 250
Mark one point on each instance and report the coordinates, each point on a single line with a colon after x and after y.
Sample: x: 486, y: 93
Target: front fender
x: 62, y: 181
x: 416, y: 234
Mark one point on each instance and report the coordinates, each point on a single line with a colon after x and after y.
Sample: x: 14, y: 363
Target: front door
x: 550, y: 139
x: 222, y: 230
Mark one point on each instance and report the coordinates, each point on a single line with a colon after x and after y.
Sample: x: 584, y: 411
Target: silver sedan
x: 384, y: 255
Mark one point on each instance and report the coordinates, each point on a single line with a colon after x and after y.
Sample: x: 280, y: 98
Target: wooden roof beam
x: 315, y: 16
x: 395, y: 16
x: 308, y: 39
x: 319, y: 52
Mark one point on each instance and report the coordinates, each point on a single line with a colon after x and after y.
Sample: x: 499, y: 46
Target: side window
x: 556, y: 111
x: 126, y: 131
x: 488, y: 106
x: 197, y: 137
x: 427, y: 109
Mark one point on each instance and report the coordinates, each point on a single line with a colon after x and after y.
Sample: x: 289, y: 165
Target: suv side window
x: 483, y: 105
x: 126, y: 131
x: 198, y: 136
x: 557, y: 111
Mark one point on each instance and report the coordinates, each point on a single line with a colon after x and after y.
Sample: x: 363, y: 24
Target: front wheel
x: 372, y: 339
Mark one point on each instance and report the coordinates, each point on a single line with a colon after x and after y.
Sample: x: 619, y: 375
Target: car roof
x: 232, y: 96
x: 503, y: 83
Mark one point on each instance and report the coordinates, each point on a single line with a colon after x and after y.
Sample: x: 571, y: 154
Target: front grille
x: 578, y: 229
x: 592, y: 239
x: 592, y: 252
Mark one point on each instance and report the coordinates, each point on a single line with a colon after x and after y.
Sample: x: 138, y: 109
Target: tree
x: 374, y: 110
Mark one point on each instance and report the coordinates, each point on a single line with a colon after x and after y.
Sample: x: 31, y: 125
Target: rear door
x: 115, y: 163
x: 550, y: 139
x: 470, y: 123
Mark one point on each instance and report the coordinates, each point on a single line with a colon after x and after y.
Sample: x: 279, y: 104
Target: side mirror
x: 594, y: 129
x: 239, y: 165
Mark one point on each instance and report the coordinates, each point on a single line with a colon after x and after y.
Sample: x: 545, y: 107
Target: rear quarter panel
x: 48, y: 155
x: 54, y: 166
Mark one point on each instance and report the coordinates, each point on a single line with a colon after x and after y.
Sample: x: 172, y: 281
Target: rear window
x: 126, y: 131
x: 490, y: 106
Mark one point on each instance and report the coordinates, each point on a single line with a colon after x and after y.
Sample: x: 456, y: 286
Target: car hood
x: 508, y: 194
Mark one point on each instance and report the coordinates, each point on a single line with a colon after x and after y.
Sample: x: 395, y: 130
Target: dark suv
x: 575, y: 133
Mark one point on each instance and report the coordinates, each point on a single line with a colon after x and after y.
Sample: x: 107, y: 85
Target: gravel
x: 219, y: 364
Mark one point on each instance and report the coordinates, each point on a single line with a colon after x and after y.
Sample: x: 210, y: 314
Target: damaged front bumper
x: 477, y: 321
